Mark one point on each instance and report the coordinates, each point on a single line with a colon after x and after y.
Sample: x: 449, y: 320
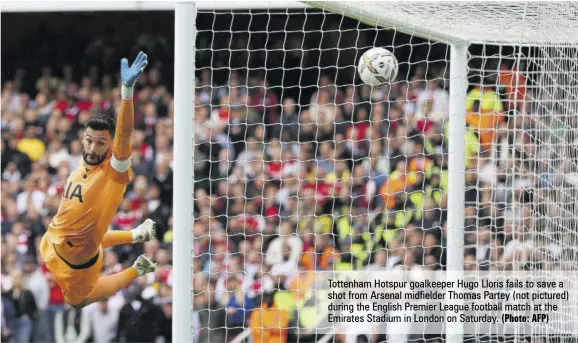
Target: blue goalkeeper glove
x: 129, y: 75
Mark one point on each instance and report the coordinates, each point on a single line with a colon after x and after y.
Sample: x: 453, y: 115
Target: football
x: 377, y: 66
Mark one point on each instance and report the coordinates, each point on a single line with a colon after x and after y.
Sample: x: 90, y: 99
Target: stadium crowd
x: 354, y: 178
x: 41, y: 144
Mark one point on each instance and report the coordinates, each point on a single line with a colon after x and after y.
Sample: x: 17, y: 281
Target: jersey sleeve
x: 122, y: 177
x: 121, y: 146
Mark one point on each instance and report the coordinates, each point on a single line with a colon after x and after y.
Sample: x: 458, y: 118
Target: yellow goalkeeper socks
x: 112, y: 238
x: 108, y: 286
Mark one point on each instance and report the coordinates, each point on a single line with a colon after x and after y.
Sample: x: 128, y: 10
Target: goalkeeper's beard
x: 95, y: 159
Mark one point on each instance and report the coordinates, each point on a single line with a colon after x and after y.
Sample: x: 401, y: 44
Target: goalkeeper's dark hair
x: 100, y: 122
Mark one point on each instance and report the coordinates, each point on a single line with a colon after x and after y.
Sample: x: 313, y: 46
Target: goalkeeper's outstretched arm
x: 121, y: 146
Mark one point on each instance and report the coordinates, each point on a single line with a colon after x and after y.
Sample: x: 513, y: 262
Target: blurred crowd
x: 353, y: 178
x: 41, y: 145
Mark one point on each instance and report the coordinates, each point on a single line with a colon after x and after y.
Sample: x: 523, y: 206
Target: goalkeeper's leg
x: 109, y: 285
x: 142, y: 233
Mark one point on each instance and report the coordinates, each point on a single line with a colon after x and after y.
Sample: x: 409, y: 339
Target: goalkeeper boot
x: 144, y: 265
x: 145, y: 232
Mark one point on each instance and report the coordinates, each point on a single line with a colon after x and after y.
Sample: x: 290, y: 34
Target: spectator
x: 164, y: 179
x: 8, y: 316
x: 268, y: 323
x: 35, y: 281
x: 25, y: 308
x: 55, y: 306
x: 436, y: 100
x: 103, y: 321
x: 75, y: 155
x: 380, y: 261
x: 286, y: 237
x: 32, y: 196
x: 72, y: 325
x: 211, y: 314
x: 11, y: 173
x: 265, y: 100
x: 239, y: 306
x: 31, y: 145
x: 288, y: 127
x: 166, y: 321
x: 513, y: 83
x: 127, y: 216
x: 57, y: 153
x: 139, y: 319
x: 486, y: 122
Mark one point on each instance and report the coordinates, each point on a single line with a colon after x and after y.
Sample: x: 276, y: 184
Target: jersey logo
x: 72, y: 191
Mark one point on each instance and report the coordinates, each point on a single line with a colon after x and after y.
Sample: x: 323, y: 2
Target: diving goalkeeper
x: 72, y: 246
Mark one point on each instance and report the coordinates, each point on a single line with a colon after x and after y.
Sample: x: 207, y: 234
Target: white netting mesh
x: 528, y: 22
x: 552, y: 75
x: 301, y: 168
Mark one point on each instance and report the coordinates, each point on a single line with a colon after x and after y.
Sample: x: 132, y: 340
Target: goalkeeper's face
x: 96, y: 146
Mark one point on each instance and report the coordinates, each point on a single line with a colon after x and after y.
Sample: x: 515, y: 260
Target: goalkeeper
x: 72, y: 246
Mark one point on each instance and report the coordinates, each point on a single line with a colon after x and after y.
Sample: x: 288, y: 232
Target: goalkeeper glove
x: 129, y: 75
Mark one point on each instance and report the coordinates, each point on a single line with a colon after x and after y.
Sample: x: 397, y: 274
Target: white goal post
x: 185, y: 31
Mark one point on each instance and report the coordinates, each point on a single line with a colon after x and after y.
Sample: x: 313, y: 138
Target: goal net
x: 302, y: 169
